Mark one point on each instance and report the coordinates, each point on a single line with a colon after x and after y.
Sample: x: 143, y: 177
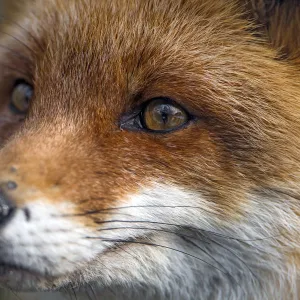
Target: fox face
x: 154, y: 151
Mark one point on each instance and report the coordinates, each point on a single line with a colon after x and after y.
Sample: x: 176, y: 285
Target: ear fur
x: 281, y: 23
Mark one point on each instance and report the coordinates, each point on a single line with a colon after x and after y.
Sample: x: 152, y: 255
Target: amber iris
x: 163, y: 115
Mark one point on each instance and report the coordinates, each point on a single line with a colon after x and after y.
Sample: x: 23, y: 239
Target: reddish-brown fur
x: 239, y: 79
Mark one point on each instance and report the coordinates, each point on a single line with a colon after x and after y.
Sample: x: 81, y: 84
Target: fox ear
x: 281, y: 22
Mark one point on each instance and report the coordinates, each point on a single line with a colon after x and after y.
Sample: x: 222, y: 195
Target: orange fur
x: 93, y: 61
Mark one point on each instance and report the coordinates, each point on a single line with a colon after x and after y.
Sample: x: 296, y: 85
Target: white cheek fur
x: 227, y: 261
x: 46, y: 243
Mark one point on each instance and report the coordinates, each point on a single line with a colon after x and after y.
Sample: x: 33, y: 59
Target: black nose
x: 7, y: 206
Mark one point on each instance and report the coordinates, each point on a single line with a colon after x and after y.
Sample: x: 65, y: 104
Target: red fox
x: 151, y: 148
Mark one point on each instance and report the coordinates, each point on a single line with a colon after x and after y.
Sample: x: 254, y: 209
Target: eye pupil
x: 164, y: 117
x: 161, y: 113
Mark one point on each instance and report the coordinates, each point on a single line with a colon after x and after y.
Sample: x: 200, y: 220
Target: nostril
x: 7, y: 208
x: 11, y: 185
x: 5, y: 213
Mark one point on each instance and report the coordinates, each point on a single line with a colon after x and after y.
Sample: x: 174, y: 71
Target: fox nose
x: 7, y: 206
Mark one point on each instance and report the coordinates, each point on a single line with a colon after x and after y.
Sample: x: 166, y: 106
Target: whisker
x: 152, y: 229
x: 166, y: 206
x: 241, y: 240
x: 159, y: 246
x: 104, y: 210
x: 100, y: 211
x: 186, y: 239
x: 236, y: 256
x: 182, y: 236
x: 138, y: 221
x: 195, y: 230
x: 126, y: 251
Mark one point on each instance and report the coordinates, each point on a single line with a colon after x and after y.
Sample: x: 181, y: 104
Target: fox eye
x: 159, y: 115
x: 20, y: 97
x: 163, y: 115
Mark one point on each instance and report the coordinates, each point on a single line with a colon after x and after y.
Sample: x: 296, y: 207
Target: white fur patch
x: 46, y: 243
x: 168, y: 244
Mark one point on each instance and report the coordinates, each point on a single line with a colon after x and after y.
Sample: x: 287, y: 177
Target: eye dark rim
x: 133, y: 121
x: 12, y: 107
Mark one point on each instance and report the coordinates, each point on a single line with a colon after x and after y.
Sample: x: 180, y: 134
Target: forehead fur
x: 126, y: 47
x: 123, y: 51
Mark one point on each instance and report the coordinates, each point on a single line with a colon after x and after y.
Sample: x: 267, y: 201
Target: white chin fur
x: 237, y: 261
x: 45, y: 245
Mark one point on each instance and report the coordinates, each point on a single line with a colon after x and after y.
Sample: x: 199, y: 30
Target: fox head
x: 154, y: 149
